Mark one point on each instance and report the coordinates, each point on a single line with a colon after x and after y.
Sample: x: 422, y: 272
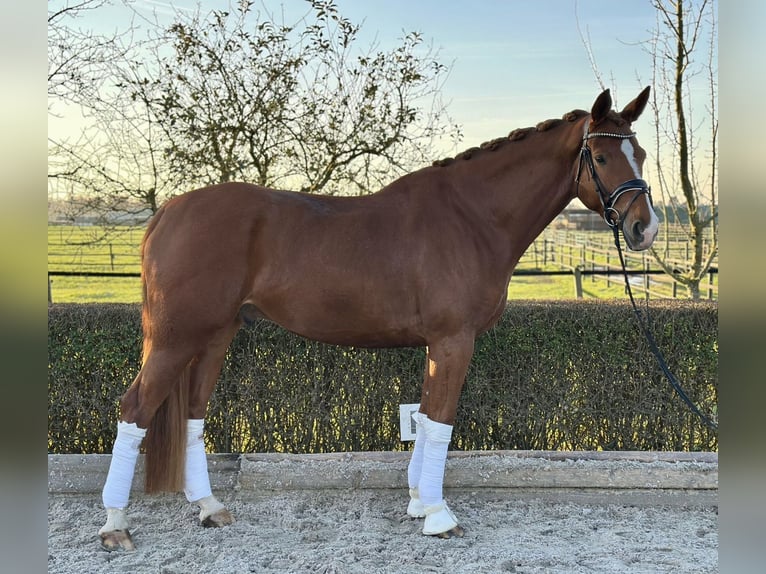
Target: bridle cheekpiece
x: 611, y: 215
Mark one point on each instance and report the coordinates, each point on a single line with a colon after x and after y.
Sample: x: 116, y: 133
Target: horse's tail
x: 165, y: 441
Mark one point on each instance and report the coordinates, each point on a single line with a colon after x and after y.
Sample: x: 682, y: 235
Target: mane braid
x: 515, y: 135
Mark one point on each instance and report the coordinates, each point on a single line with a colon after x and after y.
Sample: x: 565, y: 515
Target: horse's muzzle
x: 637, y: 219
x: 640, y: 235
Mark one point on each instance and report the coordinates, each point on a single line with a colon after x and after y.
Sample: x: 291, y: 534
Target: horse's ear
x: 632, y: 111
x: 601, y: 106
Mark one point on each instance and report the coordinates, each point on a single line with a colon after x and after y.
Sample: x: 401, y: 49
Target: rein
x: 643, y: 323
x: 613, y: 219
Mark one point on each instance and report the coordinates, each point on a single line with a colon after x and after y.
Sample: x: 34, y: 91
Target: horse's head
x: 609, y: 171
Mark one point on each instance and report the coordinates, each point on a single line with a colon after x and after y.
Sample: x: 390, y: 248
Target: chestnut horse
x: 425, y: 261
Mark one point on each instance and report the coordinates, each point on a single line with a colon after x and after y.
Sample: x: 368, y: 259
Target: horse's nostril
x: 638, y: 230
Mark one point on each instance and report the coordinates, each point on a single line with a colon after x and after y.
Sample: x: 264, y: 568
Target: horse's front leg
x: 446, y: 367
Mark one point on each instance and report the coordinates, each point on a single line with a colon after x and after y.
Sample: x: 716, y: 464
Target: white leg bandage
x: 196, y: 478
x: 439, y: 518
x: 414, y: 470
x: 416, y: 461
x: 438, y: 436
x: 123, y: 465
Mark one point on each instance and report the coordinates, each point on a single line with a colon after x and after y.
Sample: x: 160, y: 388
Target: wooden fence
x: 593, y: 255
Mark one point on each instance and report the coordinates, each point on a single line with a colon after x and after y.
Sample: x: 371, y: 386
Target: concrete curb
x: 587, y: 471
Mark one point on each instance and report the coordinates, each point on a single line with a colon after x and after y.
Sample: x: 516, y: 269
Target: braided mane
x: 515, y: 135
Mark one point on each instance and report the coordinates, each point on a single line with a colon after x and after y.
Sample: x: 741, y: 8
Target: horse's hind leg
x: 204, y: 374
x: 114, y: 533
x: 154, y: 383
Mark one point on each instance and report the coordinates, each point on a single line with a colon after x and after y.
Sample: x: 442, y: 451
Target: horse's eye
x: 600, y: 159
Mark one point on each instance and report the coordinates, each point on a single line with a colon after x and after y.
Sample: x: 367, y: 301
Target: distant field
x: 86, y: 249
x: 559, y: 287
x: 75, y: 248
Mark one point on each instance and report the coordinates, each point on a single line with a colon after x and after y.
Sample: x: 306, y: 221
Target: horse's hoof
x: 218, y: 519
x: 441, y: 522
x: 116, y: 540
x: 415, y: 509
x: 456, y: 532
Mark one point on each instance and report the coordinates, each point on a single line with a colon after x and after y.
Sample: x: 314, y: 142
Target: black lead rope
x: 643, y: 323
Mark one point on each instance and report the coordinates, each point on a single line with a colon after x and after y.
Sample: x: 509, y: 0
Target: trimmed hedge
x: 572, y: 375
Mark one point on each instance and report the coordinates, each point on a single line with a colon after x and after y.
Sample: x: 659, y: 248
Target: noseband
x: 611, y: 215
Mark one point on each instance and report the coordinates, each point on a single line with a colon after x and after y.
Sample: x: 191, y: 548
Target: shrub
x: 550, y: 376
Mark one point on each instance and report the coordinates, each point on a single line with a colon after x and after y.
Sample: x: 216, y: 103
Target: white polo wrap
x: 437, y: 439
x: 196, y: 478
x: 416, y: 461
x: 116, y: 491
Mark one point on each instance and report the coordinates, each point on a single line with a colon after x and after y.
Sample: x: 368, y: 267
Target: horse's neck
x: 529, y: 182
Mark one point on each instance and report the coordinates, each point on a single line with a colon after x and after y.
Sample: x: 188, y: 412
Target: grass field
x: 560, y: 287
x: 85, y: 249
x: 82, y: 248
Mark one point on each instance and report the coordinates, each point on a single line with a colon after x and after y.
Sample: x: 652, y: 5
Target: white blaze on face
x: 630, y: 154
x: 650, y: 232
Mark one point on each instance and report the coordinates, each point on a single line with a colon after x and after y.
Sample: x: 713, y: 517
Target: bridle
x: 608, y: 201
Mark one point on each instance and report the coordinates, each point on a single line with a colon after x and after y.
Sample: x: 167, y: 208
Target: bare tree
x: 684, y: 49
x: 243, y: 95
x: 76, y: 57
x: 116, y: 170
x: 108, y: 167
x: 289, y: 104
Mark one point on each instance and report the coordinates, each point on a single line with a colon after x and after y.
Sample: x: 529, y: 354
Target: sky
x: 513, y: 63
